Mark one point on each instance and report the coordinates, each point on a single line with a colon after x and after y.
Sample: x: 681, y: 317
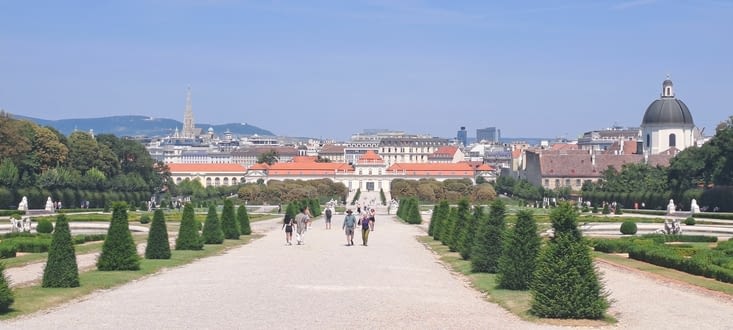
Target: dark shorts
x: 288, y: 229
x: 328, y: 219
x: 349, y: 231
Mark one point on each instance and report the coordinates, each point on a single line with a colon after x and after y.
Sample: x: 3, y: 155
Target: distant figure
x: 348, y: 227
x: 288, y: 226
x: 366, y: 223
x: 301, y: 224
x: 329, y: 213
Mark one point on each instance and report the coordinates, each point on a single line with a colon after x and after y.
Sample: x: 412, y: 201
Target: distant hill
x: 138, y: 126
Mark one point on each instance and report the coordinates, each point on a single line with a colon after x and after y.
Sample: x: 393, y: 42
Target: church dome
x: 667, y: 109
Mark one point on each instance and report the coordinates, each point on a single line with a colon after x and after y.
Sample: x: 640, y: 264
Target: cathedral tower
x: 188, y: 128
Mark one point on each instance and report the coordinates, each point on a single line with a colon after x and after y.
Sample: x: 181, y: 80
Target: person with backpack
x: 288, y: 226
x: 348, y: 227
x: 329, y: 213
x: 367, y: 223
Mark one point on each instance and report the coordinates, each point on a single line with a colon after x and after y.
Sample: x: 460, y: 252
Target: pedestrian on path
x: 301, y: 224
x: 329, y: 214
x: 348, y: 227
x: 288, y: 226
x: 366, y: 223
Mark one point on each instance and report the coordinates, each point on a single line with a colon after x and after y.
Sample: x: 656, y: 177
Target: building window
x: 567, y: 182
x: 577, y: 182
x: 672, y: 140
x: 547, y: 182
x: 648, y: 141
x: 557, y: 183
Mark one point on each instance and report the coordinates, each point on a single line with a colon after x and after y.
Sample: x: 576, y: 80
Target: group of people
x: 301, y: 223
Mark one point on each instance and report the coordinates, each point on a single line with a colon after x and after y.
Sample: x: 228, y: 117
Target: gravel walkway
x: 393, y: 283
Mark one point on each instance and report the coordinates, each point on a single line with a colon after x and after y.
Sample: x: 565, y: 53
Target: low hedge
x: 661, y: 238
x: 714, y: 215
x: 699, y: 264
x: 81, y: 239
x: 31, y: 244
x: 648, y: 212
x: 7, y: 250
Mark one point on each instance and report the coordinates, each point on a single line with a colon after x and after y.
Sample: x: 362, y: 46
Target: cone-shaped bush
x: 443, y: 209
x: 433, y: 220
x: 565, y: 283
x: 212, y: 232
x: 158, y: 246
x: 447, y: 234
x: 463, y: 216
x: 229, y: 223
x: 487, y: 244
x: 414, y: 217
x: 243, y: 219
x: 314, y: 206
x: 465, y: 245
x: 119, y: 251
x: 61, y: 270
x: 518, y: 258
x: 6, y: 295
x: 188, y: 234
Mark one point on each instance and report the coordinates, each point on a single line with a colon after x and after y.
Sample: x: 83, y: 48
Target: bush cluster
x: 144, y: 219
x: 6, y: 294
x: 8, y: 250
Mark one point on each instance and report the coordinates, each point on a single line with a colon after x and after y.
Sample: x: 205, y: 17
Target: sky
x: 329, y: 69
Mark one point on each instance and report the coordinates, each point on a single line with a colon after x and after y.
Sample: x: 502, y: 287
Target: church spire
x: 188, y: 126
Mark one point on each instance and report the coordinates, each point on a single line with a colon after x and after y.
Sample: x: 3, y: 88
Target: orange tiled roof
x: 370, y: 156
x: 183, y: 168
x: 446, y: 150
x: 259, y: 166
x: 428, y: 169
x: 485, y: 167
x: 311, y: 168
x: 304, y: 159
x: 516, y: 153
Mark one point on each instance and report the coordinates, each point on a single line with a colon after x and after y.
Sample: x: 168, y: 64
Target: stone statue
x: 49, y: 205
x: 671, y: 227
x: 670, y: 207
x: 23, y: 205
x: 694, y: 208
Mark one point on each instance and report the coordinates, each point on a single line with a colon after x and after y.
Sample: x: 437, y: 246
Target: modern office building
x: 489, y: 134
x: 462, y: 136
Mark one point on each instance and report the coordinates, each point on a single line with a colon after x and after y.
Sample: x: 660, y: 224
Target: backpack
x: 328, y: 213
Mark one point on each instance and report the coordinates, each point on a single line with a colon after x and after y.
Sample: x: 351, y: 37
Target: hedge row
x: 622, y: 245
x: 699, y: 264
x: 7, y: 250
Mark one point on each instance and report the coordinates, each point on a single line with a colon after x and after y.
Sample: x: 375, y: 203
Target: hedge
x: 661, y: 255
x: 7, y: 250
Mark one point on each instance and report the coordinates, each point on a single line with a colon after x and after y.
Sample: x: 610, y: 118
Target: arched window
x: 648, y: 141
x: 217, y: 182
x: 208, y: 182
x: 672, y: 140
x: 226, y: 181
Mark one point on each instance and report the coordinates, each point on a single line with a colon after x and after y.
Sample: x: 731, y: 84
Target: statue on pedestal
x: 671, y: 207
x: 23, y: 205
x: 694, y: 208
x: 49, y: 205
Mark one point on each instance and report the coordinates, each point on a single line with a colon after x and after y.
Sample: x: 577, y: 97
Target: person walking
x: 329, y: 214
x: 288, y: 226
x: 366, y: 223
x: 301, y: 224
x: 348, y: 227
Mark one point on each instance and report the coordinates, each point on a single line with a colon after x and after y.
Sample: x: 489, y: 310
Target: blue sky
x: 332, y: 68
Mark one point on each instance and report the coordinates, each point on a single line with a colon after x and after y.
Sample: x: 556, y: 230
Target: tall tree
x: 270, y: 157
x: 519, y: 253
x: 83, y: 151
x: 47, y: 148
x: 487, y: 243
x: 61, y: 270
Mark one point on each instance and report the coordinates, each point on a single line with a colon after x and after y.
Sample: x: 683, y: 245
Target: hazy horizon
x: 328, y: 69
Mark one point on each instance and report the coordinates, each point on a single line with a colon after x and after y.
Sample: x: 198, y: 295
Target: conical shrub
x: 447, y: 227
x: 443, y: 209
x: 465, y: 244
x: 462, y: 222
x: 119, y: 251
x: 565, y: 283
x: 433, y: 220
x: 188, y: 233
x: 487, y: 245
x: 61, y: 270
x: 212, y: 232
x: 229, y: 223
x: 519, y: 255
x: 6, y: 295
x: 243, y: 219
x: 158, y: 246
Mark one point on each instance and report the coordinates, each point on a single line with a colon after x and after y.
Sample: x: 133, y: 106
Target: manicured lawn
x: 516, y: 302
x: 34, y: 298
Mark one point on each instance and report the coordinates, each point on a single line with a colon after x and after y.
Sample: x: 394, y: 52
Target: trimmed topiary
x: 158, y: 246
x: 595, y: 209
x: 119, y: 251
x: 628, y: 228
x: 690, y: 221
x: 44, y: 226
x: 618, y: 210
x: 465, y: 232
x: 442, y: 214
x: 229, y: 223
x: 212, y: 232
x: 188, y: 233
x: 433, y: 217
x: 61, y: 270
x: 519, y: 254
x: 565, y: 283
x: 606, y: 210
x: 6, y: 295
x: 447, y: 226
x: 144, y: 219
x: 488, y: 242
x: 243, y: 219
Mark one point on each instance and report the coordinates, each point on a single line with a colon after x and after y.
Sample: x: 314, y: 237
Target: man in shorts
x: 329, y: 214
x: 348, y: 227
x: 301, y: 224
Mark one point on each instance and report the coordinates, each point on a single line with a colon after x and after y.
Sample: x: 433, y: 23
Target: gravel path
x: 393, y: 283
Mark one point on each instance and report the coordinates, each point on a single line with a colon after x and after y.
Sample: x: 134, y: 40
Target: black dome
x: 667, y: 110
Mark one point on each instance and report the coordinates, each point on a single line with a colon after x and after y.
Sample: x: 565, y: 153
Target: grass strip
x: 35, y: 298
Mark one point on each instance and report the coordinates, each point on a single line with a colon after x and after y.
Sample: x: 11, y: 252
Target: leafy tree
x: 158, y: 246
x: 83, y: 151
x: 15, y: 140
x: 119, y: 251
x: 61, y: 270
x: 47, y: 149
x: 229, y: 223
x: 212, y: 232
x: 243, y: 219
x: 519, y: 254
x: 565, y: 283
x: 269, y: 157
x: 9, y: 175
x: 487, y: 248
x: 188, y: 234
x: 6, y: 294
